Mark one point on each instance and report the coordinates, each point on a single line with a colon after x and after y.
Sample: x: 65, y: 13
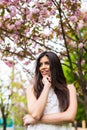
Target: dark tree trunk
x: 85, y: 102
x: 4, y: 123
x: 4, y: 116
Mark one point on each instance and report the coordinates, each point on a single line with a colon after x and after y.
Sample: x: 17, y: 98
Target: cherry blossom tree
x: 27, y: 27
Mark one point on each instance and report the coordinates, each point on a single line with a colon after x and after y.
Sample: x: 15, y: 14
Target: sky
x: 5, y: 72
x: 84, y: 3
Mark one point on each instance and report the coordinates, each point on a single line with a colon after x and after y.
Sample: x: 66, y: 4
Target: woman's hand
x: 46, y: 81
x: 28, y: 119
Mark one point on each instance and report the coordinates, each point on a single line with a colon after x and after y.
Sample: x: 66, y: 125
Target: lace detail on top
x: 52, y: 105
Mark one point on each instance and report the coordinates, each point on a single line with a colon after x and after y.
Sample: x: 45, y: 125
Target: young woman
x: 52, y: 104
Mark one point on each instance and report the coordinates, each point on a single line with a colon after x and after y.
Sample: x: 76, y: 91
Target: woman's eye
x: 47, y: 63
x: 40, y: 64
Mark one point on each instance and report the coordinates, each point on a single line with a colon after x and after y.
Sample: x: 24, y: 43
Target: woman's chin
x: 45, y: 75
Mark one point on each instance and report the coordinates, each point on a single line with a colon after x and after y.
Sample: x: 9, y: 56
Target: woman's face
x: 44, y: 66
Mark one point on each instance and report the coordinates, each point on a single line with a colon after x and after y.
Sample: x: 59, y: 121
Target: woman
x: 52, y: 104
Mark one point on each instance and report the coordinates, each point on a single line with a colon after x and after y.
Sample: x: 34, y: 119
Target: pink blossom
x: 85, y: 17
x: 1, y: 2
x: 60, y: 37
x: 27, y: 11
x: 73, y: 19
x: 15, y: 2
x: 40, y: 19
x: 43, y: 35
x: 77, y: 12
x: 35, y: 38
x: 6, y: 1
x: 63, y: 1
x: 82, y: 62
x: 7, y: 16
x: 49, y: 3
x: 16, y: 39
x: 73, y: 1
x: 13, y: 11
x: 81, y: 45
x: 29, y: 16
x: 45, y: 13
x: 35, y: 11
x: 37, y: 4
x: 9, y: 63
x: 80, y: 24
x: 27, y: 31
x: 52, y: 12
x: 27, y: 62
x: 73, y: 44
x: 18, y: 24
x: 10, y: 27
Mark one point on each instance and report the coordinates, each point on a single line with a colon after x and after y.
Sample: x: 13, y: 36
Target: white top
x: 52, y: 106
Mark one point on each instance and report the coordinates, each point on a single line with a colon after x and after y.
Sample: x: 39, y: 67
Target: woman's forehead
x: 44, y: 58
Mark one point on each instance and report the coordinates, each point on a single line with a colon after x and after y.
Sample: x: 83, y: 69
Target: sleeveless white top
x: 52, y: 106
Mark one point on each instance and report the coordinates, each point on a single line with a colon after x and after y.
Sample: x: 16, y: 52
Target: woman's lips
x: 44, y: 73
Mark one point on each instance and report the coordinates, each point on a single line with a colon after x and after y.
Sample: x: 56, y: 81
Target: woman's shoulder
x: 30, y: 87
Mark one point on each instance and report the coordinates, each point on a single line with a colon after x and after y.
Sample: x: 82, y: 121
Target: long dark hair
x: 58, y: 80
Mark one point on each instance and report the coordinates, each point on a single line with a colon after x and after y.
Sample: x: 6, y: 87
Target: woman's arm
x: 59, y: 117
x: 63, y: 117
x: 28, y: 119
x: 36, y: 106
